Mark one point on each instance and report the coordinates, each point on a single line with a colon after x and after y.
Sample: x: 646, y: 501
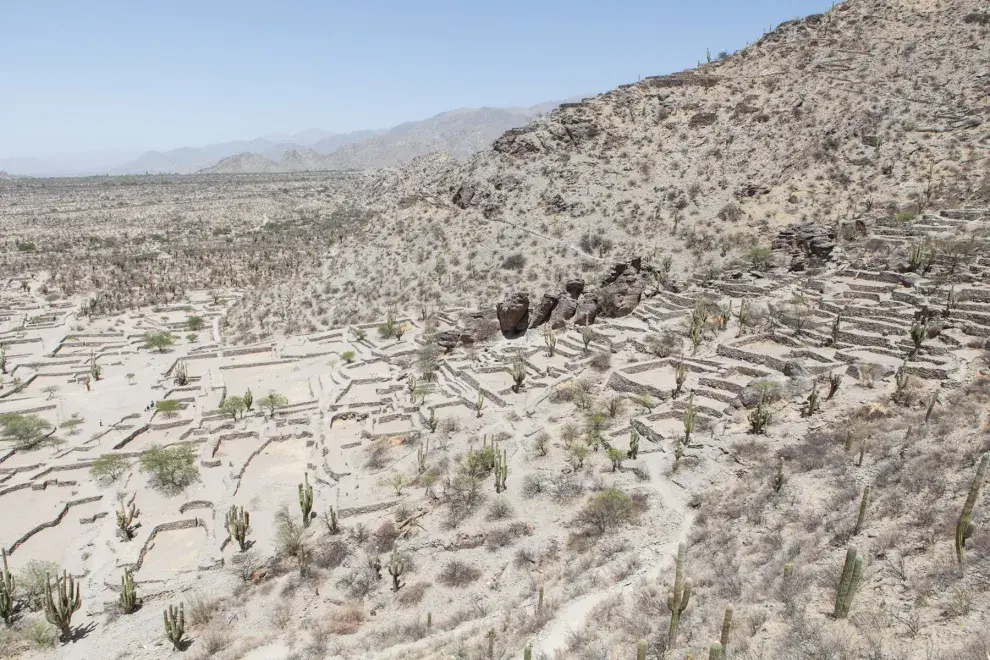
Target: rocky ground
x: 392, y: 430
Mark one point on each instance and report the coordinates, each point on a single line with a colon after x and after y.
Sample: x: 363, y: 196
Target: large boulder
x: 513, y: 315
x: 563, y: 312
x: 623, y: 288
x: 479, y: 326
x: 541, y: 313
x: 588, y: 308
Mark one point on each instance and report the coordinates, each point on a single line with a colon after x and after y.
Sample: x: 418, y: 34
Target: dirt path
x: 572, y: 617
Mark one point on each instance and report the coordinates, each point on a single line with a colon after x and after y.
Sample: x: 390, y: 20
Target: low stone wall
x: 52, y: 523
x: 620, y: 383
x: 130, y: 436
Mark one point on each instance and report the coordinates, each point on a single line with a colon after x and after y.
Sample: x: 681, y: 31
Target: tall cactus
x: 852, y: 571
x: 863, y: 504
x: 726, y: 629
x: 175, y: 625
x: 128, y: 593
x: 6, y: 591
x: 306, y: 499
x: 501, y: 470
x: 238, y: 525
x: 491, y: 644
x: 715, y: 652
x: 60, y: 608
x: 126, y: 515
x: 641, y: 650
x: 677, y: 600
x: 633, y: 444
x: 528, y: 652
x: 395, y: 568
x: 964, y: 528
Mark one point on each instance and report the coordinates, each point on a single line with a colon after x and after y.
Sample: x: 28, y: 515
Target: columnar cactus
x: 528, y: 652
x: 919, y: 332
x: 677, y: 600
x: 715, y: 652
x: 306, y: 499
x: 126, y: 515
x: 60, y: 608
x: 518, y: 372
x: 238, y: 526
x: 633, y: 444
x: 550, y: 339
x: 248, y: 399
x: 395, y: 569
x: 760, y: 418
x: 479, y: 404
x: 964, y: 528
x: 641, y: 650
x: 863, y: 504
x: 680, y: 375
x: 743, y: 316
x: 421, y: 454
x: 501, y: 470
x: 690, y: 416
x: 7, y: 591
x: 175, y: 625
x: 726, y: 628
x: 128, y: 593
x: 852, y: 571
x: 812, y: 404
x: 491, y: 644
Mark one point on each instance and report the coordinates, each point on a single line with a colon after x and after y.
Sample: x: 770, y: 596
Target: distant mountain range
x: 459, y: 132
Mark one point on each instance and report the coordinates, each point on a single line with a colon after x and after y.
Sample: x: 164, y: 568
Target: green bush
x: 171, y: 468
x: 606, y: 511
x: 195, y: 323
x: 158, y: 341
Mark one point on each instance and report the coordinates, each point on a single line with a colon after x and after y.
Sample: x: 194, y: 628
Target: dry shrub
x: 346, y: 620
x: 412, y: 594
x: 607, y: 511
x: 456, y: 573
x: 385, y: 536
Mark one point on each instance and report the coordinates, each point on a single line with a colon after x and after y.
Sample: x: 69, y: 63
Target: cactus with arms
x: 175, y: 625
x: 126, y: 515
x: 395, y: 569
x: 60, y: 607
x: 238, y: 525
x: 128, y: 593
x: 964, y: 528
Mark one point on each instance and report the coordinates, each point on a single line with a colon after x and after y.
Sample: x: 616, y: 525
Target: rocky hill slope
x: 876, y: 107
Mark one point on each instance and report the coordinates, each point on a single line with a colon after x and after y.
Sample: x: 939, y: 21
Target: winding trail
x: 572, y: 617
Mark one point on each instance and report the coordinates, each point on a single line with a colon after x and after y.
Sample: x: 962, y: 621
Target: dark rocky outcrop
x: 809, y: 239
x: 541, y: 313
x: 622, y: 288
x: 513, y: 315
x: 588, y: 308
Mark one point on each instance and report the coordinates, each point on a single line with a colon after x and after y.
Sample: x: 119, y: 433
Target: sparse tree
x: 271, y: 401
x: 158, y: 341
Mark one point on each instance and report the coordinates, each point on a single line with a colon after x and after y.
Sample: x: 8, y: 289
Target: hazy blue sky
x: 134, y: 74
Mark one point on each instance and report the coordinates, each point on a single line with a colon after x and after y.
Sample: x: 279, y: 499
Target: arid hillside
x: 873, y: 107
